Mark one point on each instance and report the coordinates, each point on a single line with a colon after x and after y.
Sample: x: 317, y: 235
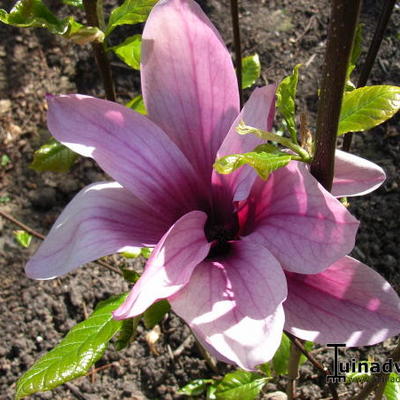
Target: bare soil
x: 34, y: 315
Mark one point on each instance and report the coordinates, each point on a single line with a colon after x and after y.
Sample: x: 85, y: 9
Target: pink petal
x: 258, y: 112
x: 102, y: 219
x: 130, y: 148
x: 170, y: 266
x: 188, y: 80
x: 355, y: 176
x: 302, y: 224
x: 234, y: 304
x: 347, y: 303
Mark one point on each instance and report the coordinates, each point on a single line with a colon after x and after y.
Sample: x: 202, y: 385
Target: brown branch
x: 103, y: 64
x: 238, y: 49
x: 371, y: 56
x: 42, y: 237
x: 21, y: 225
x: 343, y: 23
x: 325, y: 371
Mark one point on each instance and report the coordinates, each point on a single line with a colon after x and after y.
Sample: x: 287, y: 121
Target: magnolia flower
x: 239, y: 259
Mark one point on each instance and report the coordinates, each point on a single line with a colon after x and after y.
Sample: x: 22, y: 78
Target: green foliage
x: 239, y: 385
x: 53, y: 156
x: 130, y: 275
x: 130, y: 12
x: 76, y: 353
x: 127, y: 332
x: 355, y: 54
x: 135, y: 252
x: 137, y: 104
x: 129, y: 51
x: 264, y: 159
x: 82, y: 34
x: 35, y: 14
x: 4, y: 160
x: 367, y: 107
x: 196, y: 387
x: 392, y: 388
x: 282, y: 355
x: 4, y: 199
x: 23, y: 238
x: 285, y: 101
x: 251, y: 70
x: 155, y: 313
x: 74, y: 3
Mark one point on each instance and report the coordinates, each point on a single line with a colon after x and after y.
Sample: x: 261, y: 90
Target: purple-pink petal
x: 234, y: 304
x: 170, y: 266
x: 355, y: 176
x: 347, y: 303
x: 188, y: 80
x: 102, y: 219
x: 302, y: 224
x: 131, y: 149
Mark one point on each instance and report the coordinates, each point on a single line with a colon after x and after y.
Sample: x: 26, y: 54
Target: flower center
x: 220, y: 235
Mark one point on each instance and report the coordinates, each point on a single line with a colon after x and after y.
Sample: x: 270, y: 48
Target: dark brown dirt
x: 36, y: 315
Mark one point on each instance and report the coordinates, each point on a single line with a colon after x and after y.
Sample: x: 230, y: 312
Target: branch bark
x: 238, y: 47
x: 344, y: 18
x: 91, y: 10
x: 371, y: 56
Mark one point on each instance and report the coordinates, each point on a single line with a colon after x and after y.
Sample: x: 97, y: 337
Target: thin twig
x: 325, y: 371
x: 103, y: 367
x: 342, y: 27
x: 238, y: 49
x: 207, y: 357
x: 377, y: 378
x: 91, y: 10
x: 42, y: 237
x: 21, y: 225
x: 371, y: 56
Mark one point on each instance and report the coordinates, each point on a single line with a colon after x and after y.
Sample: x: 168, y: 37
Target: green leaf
x: 129, y: 51
x: 155, y: 313
x: 127, y: 332
x: 359, y: 376
x: 130, y: 275
x: 240, y: 385
x: 130, y: 12
x: 4, y: 199
x: 5, y: 160
x: 281, y: 357
x: 33, y: 13
x: 23, y: 238
x: 146, y: 252
x: 196, y: 387
x: 137, y: 104
x: 285, y: 101
x: 53, y: 156
x: 74, y: 3
x: 76, y: 353
x: 392, y: 388
x: 264, y: 162
x: 355, y: 54
x: 82, y: 34
x: 251, y: 70
x: 367, y: 107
